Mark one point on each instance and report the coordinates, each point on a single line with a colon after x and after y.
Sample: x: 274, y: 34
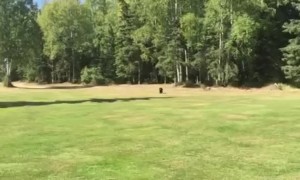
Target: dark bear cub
x: 161, y: 90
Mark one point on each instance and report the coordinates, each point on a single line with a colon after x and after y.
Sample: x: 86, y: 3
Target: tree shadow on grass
x: 45, y: 103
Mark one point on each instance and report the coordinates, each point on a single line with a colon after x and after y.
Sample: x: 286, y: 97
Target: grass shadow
x: 45, y: 103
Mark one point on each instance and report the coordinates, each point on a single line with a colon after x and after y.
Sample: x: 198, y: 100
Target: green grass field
x: 134, y: 133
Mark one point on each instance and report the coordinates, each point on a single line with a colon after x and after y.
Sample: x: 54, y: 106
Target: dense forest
x: 212, y: 42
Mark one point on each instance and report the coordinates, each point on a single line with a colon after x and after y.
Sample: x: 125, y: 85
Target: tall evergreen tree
x: 292, y: 51
x: 127, y: 52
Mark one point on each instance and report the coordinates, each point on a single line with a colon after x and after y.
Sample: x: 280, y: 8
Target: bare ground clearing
x: 150, y: 90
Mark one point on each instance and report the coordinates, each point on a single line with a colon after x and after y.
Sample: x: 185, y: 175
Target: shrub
x: 7, y: 82
x: 2, y: 74
x: 179, y: 84
x: 92, y: 76
x: 190, y: 84
x: 31, y: 75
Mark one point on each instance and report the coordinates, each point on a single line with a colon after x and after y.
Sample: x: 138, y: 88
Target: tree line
x: 213, y: 42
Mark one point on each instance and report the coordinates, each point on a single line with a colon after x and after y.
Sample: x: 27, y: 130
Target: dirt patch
x: 170, y: 90
x: 25, y: 85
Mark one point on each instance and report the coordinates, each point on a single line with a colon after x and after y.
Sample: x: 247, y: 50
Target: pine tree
x: 127, y: 52
x: 292, y: 51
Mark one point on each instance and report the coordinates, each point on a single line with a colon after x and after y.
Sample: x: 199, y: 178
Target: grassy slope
x: 194, y: 135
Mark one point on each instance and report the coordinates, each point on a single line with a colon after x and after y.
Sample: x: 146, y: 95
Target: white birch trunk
x: 186, y: 66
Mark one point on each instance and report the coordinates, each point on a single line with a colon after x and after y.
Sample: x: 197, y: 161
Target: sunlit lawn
x: 126, y: 133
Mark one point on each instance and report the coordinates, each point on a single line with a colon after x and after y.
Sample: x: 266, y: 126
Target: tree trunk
x: 59, y: 77
x: 219, y: 78
x: 200, y: 76
x: 186, y: 66
x: 52, y: 73
x: 175, y: 79
x: 73, y: 59
x: 7, y: 82
x: 180, y: 73
x: 70, y: 72
x: 7, y: 79
x: 139, y: 73
x: 176, y: 9
x: 231, y: 12
x: 219, y: 60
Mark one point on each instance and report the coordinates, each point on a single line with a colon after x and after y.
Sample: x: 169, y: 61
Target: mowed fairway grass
x: 132, y: 132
